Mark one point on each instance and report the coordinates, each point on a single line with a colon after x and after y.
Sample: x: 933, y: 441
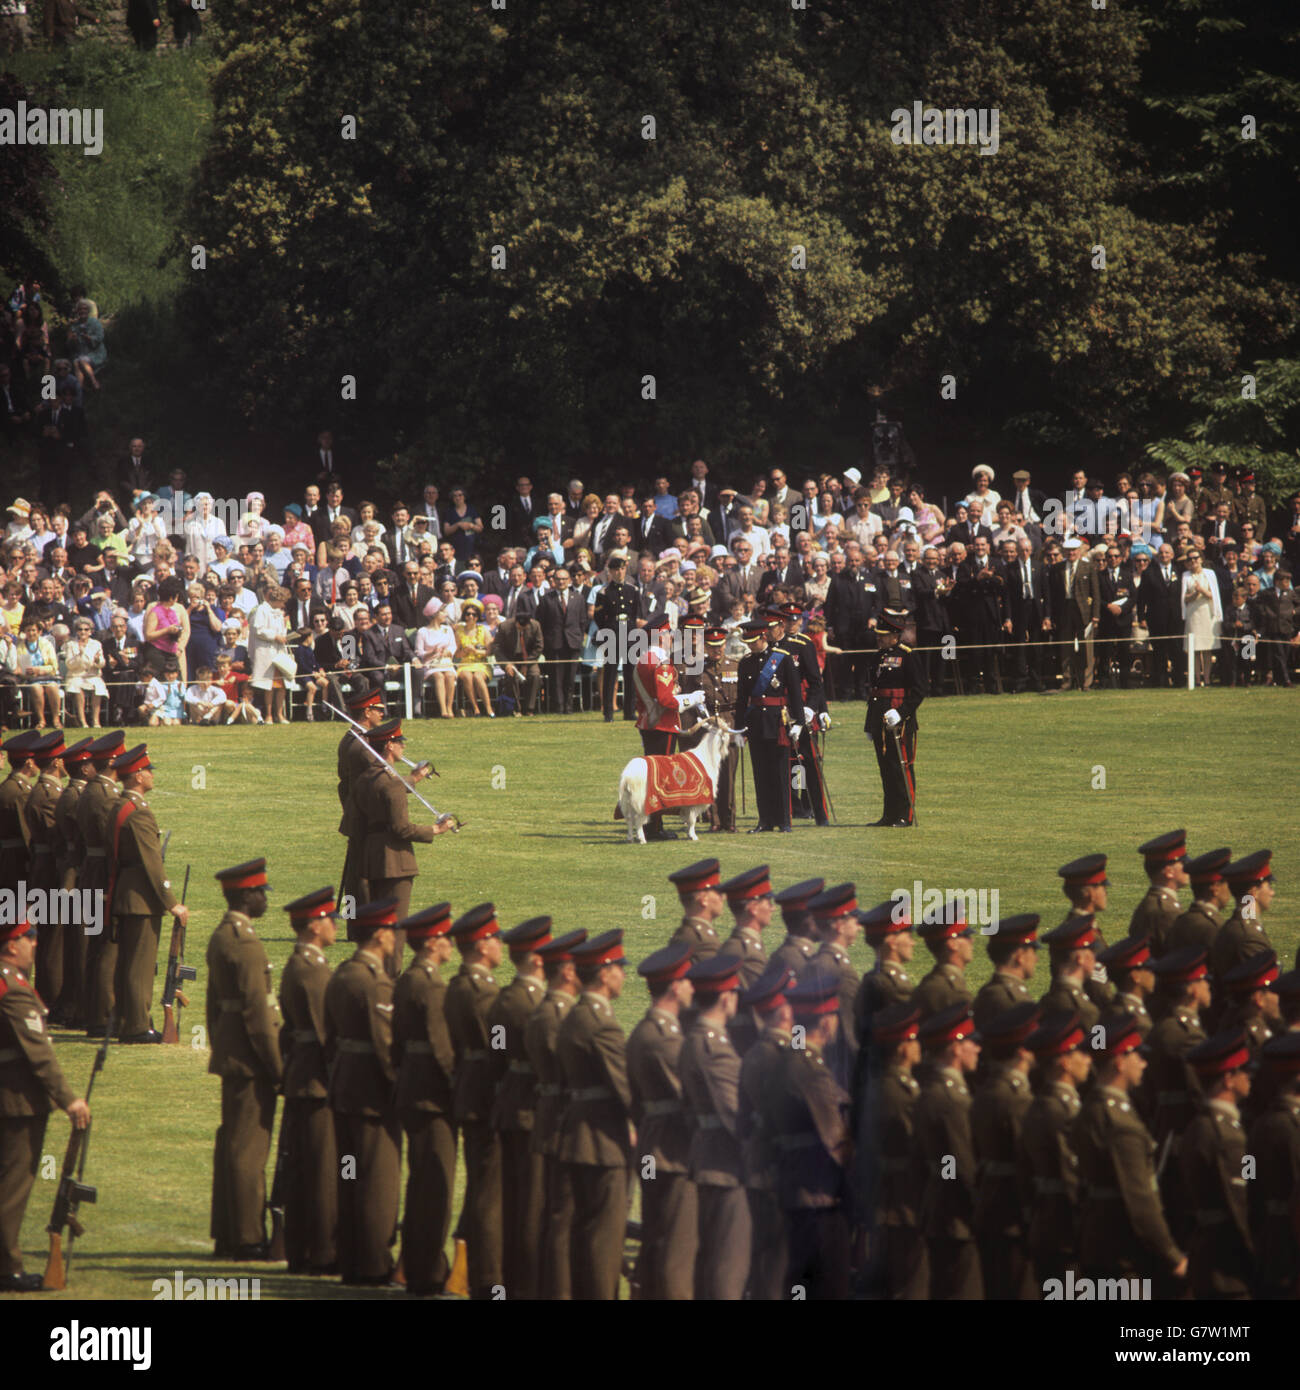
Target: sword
x: 897, y: 736
x: 361, y: 728
x: 384, y: 763
x: 820, y: 761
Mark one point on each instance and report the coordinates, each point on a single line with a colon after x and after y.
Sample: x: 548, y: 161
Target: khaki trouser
x: 239, y: 1162
x: 137, y: 963
x: 21, y: 1140
x: 368, y: 1194
x: 430, y: 1183
x: 311, y: 1198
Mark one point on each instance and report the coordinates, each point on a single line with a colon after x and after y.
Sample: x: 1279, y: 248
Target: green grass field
x: 1009, y: 788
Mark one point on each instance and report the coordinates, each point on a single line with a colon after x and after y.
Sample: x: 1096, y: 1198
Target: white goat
x: 632, y: 784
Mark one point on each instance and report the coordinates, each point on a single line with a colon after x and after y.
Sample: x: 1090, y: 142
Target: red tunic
x: 656, y: 697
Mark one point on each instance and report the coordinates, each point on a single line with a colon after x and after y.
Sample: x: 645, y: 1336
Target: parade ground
x: 1008, y: 789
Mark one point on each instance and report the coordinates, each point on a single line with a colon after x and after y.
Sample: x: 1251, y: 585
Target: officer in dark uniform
x: 1047, y: 1156
x: 760, y: 1079
x: 997, y: 1120
x: 710, y: 1070
x: 359, y: 1055
x: 31, y: 1085
x: 835, y: 911
x: 95, y: 823
x: 1074, y: 957
x: 41, y: 868
x: 811, y: 797
x: 718, y: 681
x: 1013, y: 949
x: 594, y: 1144
x: 701, y: 897
x: 669, y: 1210
x: 14, y: 793
x: 541, y: 1038
x: 615, y: 612
x: 1251, y: 1006
x: 514, y: 1109
x: 889, y: 930
x: 950, y: 944
x: 1274, y: 1139
x: 897, y: 685
x: 1165, y: 861
x: 800, y: 944
x: 1128, y: 964
x: 1084, y: 882
x: 1250, y: 880
x: 892, y: 1182
x: 367, y: 708
x: 1122, y: 1230
x: 243, y: 1019
x: 767, y: 699
x: 752, y: 903
x: 1220, y: 1256
x: 470, y: 997
x: 812, y: 1137
x: 1172, y: 1090
x: 68, y: 857
x: 311, y: 1207
x: 946, y: 1147
x: 1200, y: 924
x: 425, y: 1061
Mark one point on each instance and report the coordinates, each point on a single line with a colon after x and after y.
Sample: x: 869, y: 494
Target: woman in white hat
x: 1202, y: 612
x: 268, y: 651
x: 83, y: 660
x: 435, y: 652
x: 983, y: 489
x: 1178, y: 504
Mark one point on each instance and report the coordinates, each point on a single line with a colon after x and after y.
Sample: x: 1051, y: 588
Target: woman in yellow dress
x: 472, y: 670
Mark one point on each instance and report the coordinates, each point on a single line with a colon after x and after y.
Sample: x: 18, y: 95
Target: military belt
x: 1049, y: 1187
x: 1211, y: 1218
x: 549, y: 1088
x: 304, y: 1035
x: 591, y: 1093
x: 788, y: 1142
x: 418, y: 1049
x: 356, y: 1046
x: 998, y: 1168
x: 97, y: 852
x: 661, y: 1107
x: 10, y: 1054
x: 232, y: 1006
x: 522, y: 1068
x: 13, y: 844
x: 1171, y: 1098
x: 1104, y: 1194
x: 475, y: 1054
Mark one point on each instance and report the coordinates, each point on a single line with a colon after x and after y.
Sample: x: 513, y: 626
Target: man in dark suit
x: 780, y: 569
x: 497, y: 579
x: 980, y: 595
x: 688, y: 506
x: 521, y: 511
x: 705, y: 490
x: 331, y: 511
x: 395, y: 538
x: 653, y: 533
x: 15, y: 413
x: 932, y: 623
x: 651, y: 593
x: 1218, y: 530
x: 516, y: 647
x: 562, y: 614
x: 723, y: 519
x: 324, y: 461
x: 1115, y: 619
x: 1030, y: 502
x: 850, y: 604
x: 62, y: 435
x: 964, y: 530
x: 301, y: 607
x: 892, y: 589
x: 1028, y: 620
x: 515, y: 592
x: 1075, y: 603
x: 384, y: 645
x: 409, y: 597
x: 744, y: 578
x: 601, y: 541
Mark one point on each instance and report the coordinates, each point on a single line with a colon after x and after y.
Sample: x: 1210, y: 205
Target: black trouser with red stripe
x: 656, y: 743
x: 811, y: 800
x: 771, y: 761
x: 897, y: 775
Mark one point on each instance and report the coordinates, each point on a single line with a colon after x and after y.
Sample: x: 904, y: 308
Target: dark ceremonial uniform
x: 768, y: 699
x: 810, y: 800
x: 897, y: 681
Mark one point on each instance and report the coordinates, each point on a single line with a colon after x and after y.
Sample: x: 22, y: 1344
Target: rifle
x: 275, y: 1249
x: 177, y: 974
x: 72, y: 1191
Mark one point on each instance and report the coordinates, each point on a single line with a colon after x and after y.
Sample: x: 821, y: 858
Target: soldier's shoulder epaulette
x: 903, y: 647
x: 667, y: 1026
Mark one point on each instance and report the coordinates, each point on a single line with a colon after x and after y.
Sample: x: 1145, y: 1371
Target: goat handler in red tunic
x: 659, y: 705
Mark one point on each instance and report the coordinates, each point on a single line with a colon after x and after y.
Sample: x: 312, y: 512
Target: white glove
x: 892, y: 718
x: 823, y: 722
x: 808, y: 715
x: 795, y: 731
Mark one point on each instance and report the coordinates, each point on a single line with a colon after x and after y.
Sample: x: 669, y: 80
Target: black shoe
x: 785, y: 829
x: 251, y: 1252
x: 20, y: 1283
x: 609, y: 719
x: 871, y: 825
x: 760, y: 830
x: 904, y: 824
x: 822, y: 824
x: 151, y: 1036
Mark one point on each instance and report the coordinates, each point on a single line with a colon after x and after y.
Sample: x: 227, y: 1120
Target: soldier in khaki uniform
x: 140, y: 895
x: 1084, y: 882
x: 42, y: 868
x: 1248, y: 506
x: 812, y: 1135
x: 997, y: 1121
x: 541, y: 1038
x: 893, y: 1182
x: 1128, y: 964
x: 951, y: 946
x: 1250, y: 880
x: 1200, y: 924
x: 68, y: 858
x: 359, y: 1053
x: 367, y: 708
x: 710, y: 1067
x: 95, y: 823
x: 761, y: 1076
x: 244, y: 1034
x: 1274, y: 1196
x: 514, y: 1111
x: 425, y: 1062
x: 1074, y: 959
x: 1220, y: 1256
x: 889, y: 931
x: 945, y: 1146
x: 701, y: 897
x: 311, y: 1208
x: 470, y: 997
x: 595, y: 1141
x: 31, y: 1085
x: 379, y: 798
x: 750, y: 898
x: 1252, y: 1008
x: 718, y: 682
x: 14, y: 793
x: 1013, y: 949
x: 1165, y: 861
x: 835, y: 912
x: 1122, y: 1230
x: 801, y: 943
x: 1048, y: 1163
x: 669, y: 1210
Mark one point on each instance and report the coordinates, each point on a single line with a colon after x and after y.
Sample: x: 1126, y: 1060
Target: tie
x: 1168, y: 576
x: 1069, y: 580
x: 528, y: 506
x: 510, y: 602
x: 1029, y: 588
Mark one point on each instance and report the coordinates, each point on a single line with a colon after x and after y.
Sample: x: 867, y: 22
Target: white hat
x: 982, y: 468
x: 853, y: 475
x: 1074, y: 543
x: 232, y: 625
x: 905, y: 514
x: 717, y: 551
